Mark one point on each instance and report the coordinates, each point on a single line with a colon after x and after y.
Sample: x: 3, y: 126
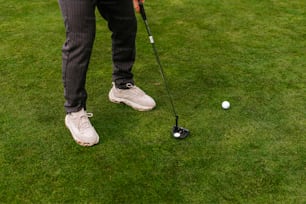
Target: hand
x: 136, y: 5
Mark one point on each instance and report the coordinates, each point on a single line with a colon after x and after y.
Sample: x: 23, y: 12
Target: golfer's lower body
x: 80, y: 23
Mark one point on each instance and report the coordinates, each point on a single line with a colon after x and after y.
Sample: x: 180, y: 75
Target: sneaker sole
x: 135, y: 106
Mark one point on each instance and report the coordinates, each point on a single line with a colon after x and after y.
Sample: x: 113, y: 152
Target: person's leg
x: 121, y: 19
x: 122, y: 22
x: 79, y: 19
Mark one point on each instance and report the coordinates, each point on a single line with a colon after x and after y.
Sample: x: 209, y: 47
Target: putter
x: 177, y: 132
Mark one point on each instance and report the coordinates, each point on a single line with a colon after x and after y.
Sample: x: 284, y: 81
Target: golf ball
x: 226, y: 105
x: 177, y: 134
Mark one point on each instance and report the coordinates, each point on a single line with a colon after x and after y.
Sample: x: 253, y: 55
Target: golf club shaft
x: 144, y: 17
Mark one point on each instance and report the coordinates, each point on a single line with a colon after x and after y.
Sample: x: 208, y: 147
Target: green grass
x: 252, y: 53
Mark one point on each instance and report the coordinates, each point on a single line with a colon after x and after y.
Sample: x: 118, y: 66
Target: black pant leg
x: 79, y: 19
x: 122, y: 22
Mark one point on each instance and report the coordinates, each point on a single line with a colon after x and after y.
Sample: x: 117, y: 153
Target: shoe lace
x: 129, y: 85
x: 134, y: 88
x: 84, y: 121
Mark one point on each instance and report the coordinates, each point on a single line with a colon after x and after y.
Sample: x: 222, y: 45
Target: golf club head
x: 180, y: 132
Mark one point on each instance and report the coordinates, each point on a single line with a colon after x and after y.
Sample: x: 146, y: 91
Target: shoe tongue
x: 79, y: 113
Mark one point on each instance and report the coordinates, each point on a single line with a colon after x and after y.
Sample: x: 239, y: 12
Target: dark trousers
x: 80, y: 24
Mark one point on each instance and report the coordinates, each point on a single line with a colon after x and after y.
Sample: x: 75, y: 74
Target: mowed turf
x: 251, y: 53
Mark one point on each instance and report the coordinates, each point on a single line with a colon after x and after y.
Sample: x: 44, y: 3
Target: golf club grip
x: 142, y: 10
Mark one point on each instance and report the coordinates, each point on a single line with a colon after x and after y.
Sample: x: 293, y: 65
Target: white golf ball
x: 177, y: 134
x: 226, y: 105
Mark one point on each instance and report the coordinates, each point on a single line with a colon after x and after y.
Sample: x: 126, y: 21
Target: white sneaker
x: 133, y: 96
x: 81, y: 129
